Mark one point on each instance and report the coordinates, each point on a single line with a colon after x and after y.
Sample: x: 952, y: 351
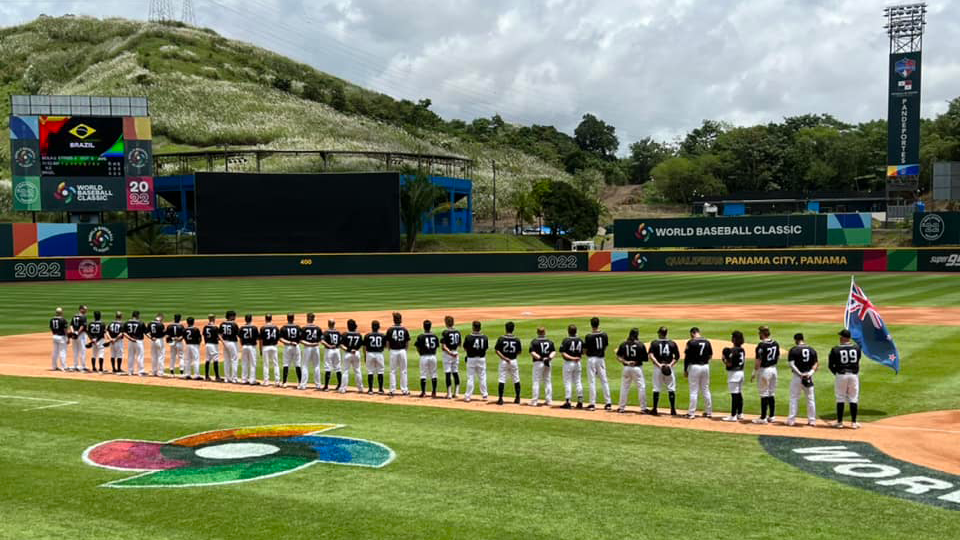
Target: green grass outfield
x: 464, y: 474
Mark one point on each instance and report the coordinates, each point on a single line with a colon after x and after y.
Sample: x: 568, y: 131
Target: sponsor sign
x: 936, y: 228
x: 785, y: 260
x: 83, y: 194
x: 938, y: 260
x: 903, y: 115
x: 83, y: 269
x: 26, y: 193
x: 758, y: 231
x: 861, y: 465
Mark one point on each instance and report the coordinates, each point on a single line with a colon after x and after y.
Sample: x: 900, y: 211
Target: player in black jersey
x: 231, y: 357
x: 373, y: 345
x: 269, y: 337
x: 398, y: 338
x: 765, y: 371
x: 134, y: 330
x: 664, y: 353
x: 115, y: 335
x: 542, y: 351
x: 156, y: 330
x: 427, y: 344
x: 96, y: 331
x: 58, y: 327
x: 734, y: 359
x: 290, y: 336
x: 175, y: 339
x: 632, y: 353
x: 249, y: 337
x: 696, y: 367
x: 211, y: 339
x: 595, y: 349
x: 803, y: 364
x: 191, y: 338
x: 508, y: 348
x: 310, y: 337
x: 571, y: 348
x: 844, y: 362
x: 475, y: 347
x: 450, y: 341
x: 351, y: 344
x: 78, y: 337
x: 332, y: 360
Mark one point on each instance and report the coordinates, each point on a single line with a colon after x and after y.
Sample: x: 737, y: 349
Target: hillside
x: 208, y: 91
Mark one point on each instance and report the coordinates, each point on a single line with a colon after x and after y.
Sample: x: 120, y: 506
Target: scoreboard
x: 81, y: 163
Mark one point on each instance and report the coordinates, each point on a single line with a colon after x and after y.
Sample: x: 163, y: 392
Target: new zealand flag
x: 868, y: 329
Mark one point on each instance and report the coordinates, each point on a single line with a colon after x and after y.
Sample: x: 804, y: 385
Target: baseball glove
x: 806, y: 381
x: 666, y: 371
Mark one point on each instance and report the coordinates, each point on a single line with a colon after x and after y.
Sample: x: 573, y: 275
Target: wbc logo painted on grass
x: 229, y: 456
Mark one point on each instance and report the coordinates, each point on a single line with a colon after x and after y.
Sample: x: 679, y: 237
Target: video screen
x: 78, y: 146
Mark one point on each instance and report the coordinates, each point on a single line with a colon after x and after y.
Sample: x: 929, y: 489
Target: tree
x: 645, y: 154
x: 282, y: 84
x: 750, y: 158
x: 569, y: 212
x: 680, y: 179
x: 595, y: 136
x: 338, y: 98
x: 418, y: 197
x: 700, y: 140
x: 524, y: 206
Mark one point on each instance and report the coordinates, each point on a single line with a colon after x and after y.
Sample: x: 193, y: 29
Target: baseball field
x: 447, y: 469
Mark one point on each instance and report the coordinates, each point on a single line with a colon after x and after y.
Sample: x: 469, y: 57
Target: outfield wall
x: 186, y: 266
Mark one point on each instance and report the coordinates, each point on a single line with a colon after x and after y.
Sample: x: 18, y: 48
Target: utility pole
x: 494, y: 195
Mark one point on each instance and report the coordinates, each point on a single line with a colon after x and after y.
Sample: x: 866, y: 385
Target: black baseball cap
x: 844, y: 333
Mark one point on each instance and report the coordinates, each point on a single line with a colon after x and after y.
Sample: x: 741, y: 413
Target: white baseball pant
x: 231, y: 361
x: 597, y: 367
x: 571, y: 378
x: 699, y: 377
x: 847, y: 388
x: 476, y: 369
x: 428, y: 367
x: 542, y: 375
x: 311, y: 362
x: 59, y: 358
x: 192, y: 359
x: 97, y: 350
x: 374, y: 363
x: 116, y: 349
x: 509, y: 369
x: 796, y: 390
x: 451, y: 364
x: 633, y: 375
x: 157, y: 356
x: 212, y: 351
x: 135, y: 358
x: 659, y: 379
x: 735, y: 381
x: 270, y: 360
x: 767, y: 381
x: 248, y: 363
x: 176, y: 355
x: 80, y: 352
x: 351, y: 362
x: 291, y: 355
x: 332, y: 360
x: 398, y: 363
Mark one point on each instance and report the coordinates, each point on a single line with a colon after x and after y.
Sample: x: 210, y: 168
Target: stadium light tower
x: 905, y: 24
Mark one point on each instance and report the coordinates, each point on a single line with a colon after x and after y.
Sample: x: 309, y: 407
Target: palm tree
x: 418, y: 197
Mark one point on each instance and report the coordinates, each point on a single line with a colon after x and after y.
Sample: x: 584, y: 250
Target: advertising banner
x: 938, y: 260
x: 780, y: 260
x: 936, y: 228
x: 83, y: 194
x: 903, y: 115
x: 757, y: 231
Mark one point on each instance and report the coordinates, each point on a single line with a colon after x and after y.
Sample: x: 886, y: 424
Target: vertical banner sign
x: 903, y: 116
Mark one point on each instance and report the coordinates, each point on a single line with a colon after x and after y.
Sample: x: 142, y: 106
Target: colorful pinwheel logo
x: 64, y: 193
x: 228, y: 456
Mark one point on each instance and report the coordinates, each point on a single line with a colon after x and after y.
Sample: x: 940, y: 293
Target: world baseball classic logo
x: 644, y: 232
x: 229, y: 456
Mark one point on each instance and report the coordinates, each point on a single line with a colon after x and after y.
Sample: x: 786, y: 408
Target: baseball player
x: 134, y: 330
x: 844, y: 362
x: 734, y: 358
x: 765, y: 371
x: 595, y: 346
x: 632, y: 353
x: 571, y: 348
x: 450, y: 341
x: 351, y: 344
x: 156, y: 332
x: 249, y: 337
x: 290, y: 336
x: 231, y: 358
x: 269, y: 337
x: 475, y: 347
x: 664, y: 353
x: 543, y: 351
x: 310, y: 336
x: 78, y: 337
x: 115, y: 335
x: 191, y: 338
x: 332, y: 360
x: 175, y: 339
x: 803, y: 364
x: 211, y: 340
x: 373, y: 345
x: 96, y: 331
x: 508, y: 348
x: 398, y: 338
x: 427, y: 344
x: 696, y: 368
x: 58, y: 327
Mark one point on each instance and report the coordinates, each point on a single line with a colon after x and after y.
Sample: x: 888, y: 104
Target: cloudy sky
x: 649, y: 67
